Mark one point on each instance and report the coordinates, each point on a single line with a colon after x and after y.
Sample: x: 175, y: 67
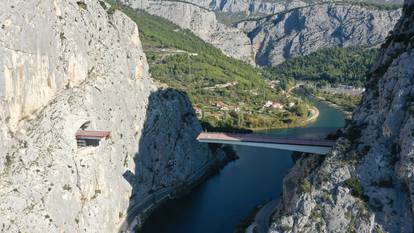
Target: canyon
x: 65, y: 65
x: 366, y: 183
x: 267, y: 33
x: 74, y: 65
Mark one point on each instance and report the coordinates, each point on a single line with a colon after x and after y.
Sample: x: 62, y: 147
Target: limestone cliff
x: 302, y: 30
x: 280, y: 29
x: 67, y: 63
x: 366, y: 184
x: 202, y: 22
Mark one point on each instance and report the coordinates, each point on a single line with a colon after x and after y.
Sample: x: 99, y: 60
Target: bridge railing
x: 264, y: 138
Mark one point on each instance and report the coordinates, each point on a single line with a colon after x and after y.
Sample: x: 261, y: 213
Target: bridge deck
x: 260, y: 138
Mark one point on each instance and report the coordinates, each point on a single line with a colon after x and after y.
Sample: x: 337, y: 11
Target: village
x: 289, y: 109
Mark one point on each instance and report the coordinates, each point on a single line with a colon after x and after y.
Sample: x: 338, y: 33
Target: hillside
x: 226, y: 92
x: 347, y: 66
x: 267, y: 33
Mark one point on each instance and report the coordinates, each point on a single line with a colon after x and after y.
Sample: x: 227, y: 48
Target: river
x: 221, y: 202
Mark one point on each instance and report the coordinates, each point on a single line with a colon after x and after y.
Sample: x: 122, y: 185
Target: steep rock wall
x: 296, y: 27
x: 305, y: 30
x: 366, y: 183
x: 74, y: 42
x: 100, y: 77
x: 202, y: 22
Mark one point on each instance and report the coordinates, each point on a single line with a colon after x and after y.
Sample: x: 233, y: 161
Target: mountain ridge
x: 273, y: 39
x: 366, y: 183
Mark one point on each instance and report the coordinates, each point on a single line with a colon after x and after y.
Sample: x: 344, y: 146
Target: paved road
x: 261, y: 138
x: 261, y: 221
x: 131, y: 221
x: 251, y: 228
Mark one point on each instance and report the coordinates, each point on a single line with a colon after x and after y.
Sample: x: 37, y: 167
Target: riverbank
x: 139, y: 212
x: 313, y: 116
x: 227, y: 198
x: 347, y: 113
x: 261, y: 220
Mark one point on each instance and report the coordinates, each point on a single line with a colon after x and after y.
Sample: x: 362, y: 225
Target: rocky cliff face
x: 366, y: 184
x: 296, y: 27
x: 304, y: 30
x: 64, y: 64
x: 202, y: 22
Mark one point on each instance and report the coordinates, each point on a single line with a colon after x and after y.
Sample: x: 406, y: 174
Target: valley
x: 225, y: 93
x: 257, y: 116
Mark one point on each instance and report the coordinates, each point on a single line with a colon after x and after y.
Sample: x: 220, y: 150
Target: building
x: 268, y: 104
x: 197, y: 110
x: 271, y: 104
x: 91, y: 138
x: 277, y: 105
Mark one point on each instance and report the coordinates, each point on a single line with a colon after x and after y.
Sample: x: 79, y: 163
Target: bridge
x: 315, y: 146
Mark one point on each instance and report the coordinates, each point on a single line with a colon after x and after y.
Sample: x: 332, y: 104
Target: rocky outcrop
x: 67, y: 64
x: 290, y: 28
x: 168, y: 154
x: 255, y: 7
x: 202, y: 22
x: 37, y: 62
x: 366, y: 183
x: 304, y: 30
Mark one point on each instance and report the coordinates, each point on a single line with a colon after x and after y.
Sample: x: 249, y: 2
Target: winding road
x: 137, y: 208
x: 261, y: 221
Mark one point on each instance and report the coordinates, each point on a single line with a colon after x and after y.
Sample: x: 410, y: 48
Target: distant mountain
x: 268, y: 32
x: 227, y: 93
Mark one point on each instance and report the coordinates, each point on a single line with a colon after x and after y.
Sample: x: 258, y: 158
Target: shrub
x: 306, y: 186
x: 286, y: 227
x: 103, y: 5
x: 356, y: 188
x: 82, y: 5
x: 66, y: 187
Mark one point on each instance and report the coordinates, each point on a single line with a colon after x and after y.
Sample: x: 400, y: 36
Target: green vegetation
x: 371, y: 4
x: 225, y: 92
x: 228, y: 17
x: 82, y: 5
x: 329, y: 66
x: 235, y: 18
x: 286, y: 228
x: 347, y: 102
x: 355, y: 187
x: 306, y: 186
x: 380, y: 5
